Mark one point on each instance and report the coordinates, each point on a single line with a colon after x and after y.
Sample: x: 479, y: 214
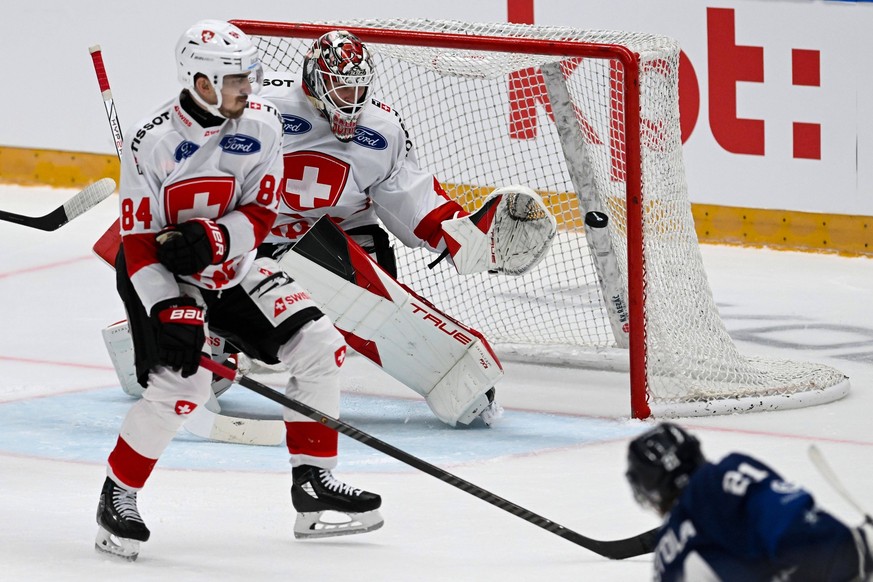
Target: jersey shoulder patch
x: 382, y: 118
x: 263, y: 110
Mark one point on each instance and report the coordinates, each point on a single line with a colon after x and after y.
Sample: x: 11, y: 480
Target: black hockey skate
x: 120, y: 527
x: 327, y: 507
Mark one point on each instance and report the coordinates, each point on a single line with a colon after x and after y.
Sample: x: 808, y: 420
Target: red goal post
x: 598, y: 130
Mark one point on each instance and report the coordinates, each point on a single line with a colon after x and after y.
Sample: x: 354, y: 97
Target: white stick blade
x: 88, y: 198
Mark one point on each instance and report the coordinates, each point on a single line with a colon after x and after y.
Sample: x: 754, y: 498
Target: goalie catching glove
x: 511, y: 233
x: 189, y: 247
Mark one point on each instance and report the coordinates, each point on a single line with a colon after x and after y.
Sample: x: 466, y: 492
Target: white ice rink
x: 223, y: 512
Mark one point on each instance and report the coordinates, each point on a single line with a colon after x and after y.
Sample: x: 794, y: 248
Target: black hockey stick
x: 85, y: 200
x: 638, y: 545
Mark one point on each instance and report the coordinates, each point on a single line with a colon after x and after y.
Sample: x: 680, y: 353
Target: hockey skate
x: 327, y: 507
x: 120, y: 527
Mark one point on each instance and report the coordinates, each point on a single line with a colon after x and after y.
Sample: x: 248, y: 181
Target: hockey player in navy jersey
x: 198, y: 196
x: 737, y: 519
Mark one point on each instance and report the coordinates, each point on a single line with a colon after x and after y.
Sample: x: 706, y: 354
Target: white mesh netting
x: 480, y: 119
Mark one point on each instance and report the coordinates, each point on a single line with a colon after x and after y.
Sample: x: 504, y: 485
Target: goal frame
x: 629, y: 62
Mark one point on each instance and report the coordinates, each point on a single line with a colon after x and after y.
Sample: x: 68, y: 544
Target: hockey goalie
x: 350, y: 174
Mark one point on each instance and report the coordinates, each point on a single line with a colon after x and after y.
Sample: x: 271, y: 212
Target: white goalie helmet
x: 216, y: 49
x: 337, y: 72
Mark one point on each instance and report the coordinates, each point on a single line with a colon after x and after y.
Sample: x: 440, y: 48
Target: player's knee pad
x: 314, y: 357
x: 168, y: 387
x: 316, y: 350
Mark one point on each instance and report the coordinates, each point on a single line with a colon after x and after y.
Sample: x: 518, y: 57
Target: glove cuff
x: 219, y: 240
x: 182, y: 310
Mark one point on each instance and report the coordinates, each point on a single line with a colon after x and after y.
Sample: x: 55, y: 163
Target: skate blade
x: 112, y: 545
x: 328, y: 524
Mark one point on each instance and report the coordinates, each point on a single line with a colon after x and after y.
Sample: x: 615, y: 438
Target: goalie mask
x: 337, y: 72
x: 223, y: 54
x: 660, y: 463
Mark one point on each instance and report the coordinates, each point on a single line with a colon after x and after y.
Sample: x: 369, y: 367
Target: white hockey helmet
x: 337, y: 72
x: 215, y: 49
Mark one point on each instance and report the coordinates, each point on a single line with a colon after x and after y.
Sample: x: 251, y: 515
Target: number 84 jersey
x: 181, y: 163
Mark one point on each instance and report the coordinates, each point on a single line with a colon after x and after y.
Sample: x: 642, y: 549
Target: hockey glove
x: 189, y: 247
x: 511, y: 233
x: 180, y: 335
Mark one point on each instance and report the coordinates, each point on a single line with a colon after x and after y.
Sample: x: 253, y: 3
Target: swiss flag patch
x: 279, y: 307
x: 184, y: 407
x: 313, y: 180
x: 340, y: 356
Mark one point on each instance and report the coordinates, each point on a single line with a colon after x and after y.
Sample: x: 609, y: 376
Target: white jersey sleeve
x: 412, y: 204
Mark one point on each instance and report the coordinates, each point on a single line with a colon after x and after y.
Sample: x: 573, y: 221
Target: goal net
x: 589, y: 119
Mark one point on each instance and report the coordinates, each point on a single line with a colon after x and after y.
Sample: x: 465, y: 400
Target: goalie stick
x: 638, y: 545
x: 830, y: 476
x: 82, y: 202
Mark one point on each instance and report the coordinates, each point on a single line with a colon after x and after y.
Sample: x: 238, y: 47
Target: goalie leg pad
x: 119, y: 344
x: 448, y: 363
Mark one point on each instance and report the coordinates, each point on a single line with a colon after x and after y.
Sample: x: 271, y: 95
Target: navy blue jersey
x: 738, y: 520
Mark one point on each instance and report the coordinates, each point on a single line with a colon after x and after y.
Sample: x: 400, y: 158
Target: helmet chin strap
x: 213, y: 109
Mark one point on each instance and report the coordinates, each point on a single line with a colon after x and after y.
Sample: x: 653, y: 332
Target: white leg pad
x: 448, y: 363
x: 119, y: 344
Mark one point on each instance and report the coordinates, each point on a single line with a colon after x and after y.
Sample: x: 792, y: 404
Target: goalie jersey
x: 374, y: 177
x: 738, y: 520
x: 178, y: 164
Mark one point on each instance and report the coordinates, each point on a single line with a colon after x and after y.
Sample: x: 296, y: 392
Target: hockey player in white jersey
x: 349, y: 157
x: 197, y: 197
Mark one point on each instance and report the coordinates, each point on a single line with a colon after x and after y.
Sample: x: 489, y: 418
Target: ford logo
x: 293, y: 124
x: 185, y: 150
x: 368, y: 138
x: 240, y: 144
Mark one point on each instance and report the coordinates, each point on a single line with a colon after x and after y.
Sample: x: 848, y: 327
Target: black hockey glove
x: 180, y: 335
x: 189, y: 247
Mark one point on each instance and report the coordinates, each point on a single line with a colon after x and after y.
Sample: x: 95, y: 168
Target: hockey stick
x: 830, y: 476
x: 205, y: 423
x: 82, y: 202
x: 638, y: 545
x: 92, y: 194
x: 108, y: 102
x: 107, y: 245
